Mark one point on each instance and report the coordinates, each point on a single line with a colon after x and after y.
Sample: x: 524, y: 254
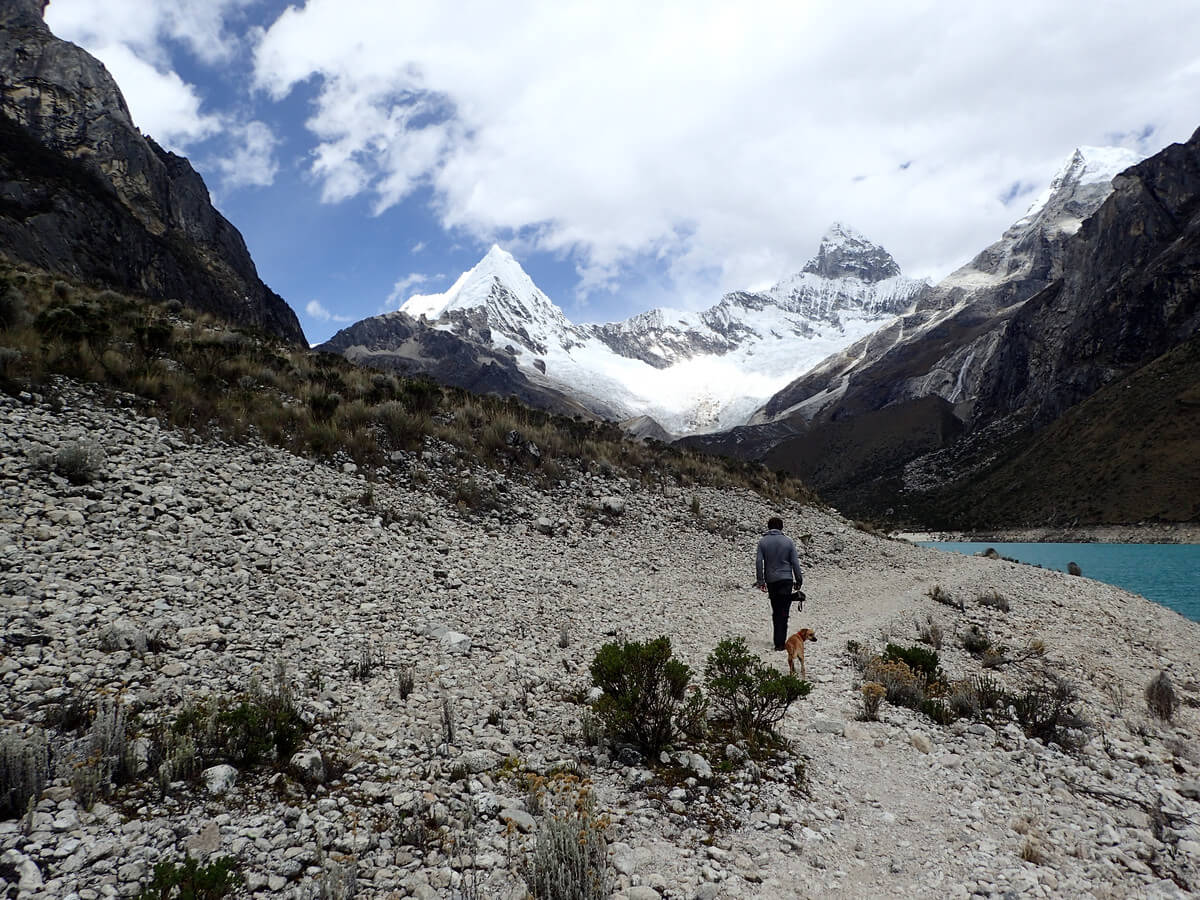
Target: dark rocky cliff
x: 84, y: 193
x: 1130, y: 291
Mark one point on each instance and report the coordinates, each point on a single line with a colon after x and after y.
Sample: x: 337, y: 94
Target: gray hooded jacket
x: 777, y: 559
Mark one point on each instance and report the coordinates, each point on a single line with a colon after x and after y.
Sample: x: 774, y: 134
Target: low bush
x: 80, y: 462
x: 189, y: 880
x: 1046, y: 711
x: 644, y: 690
x: 902, y: 686
x: 938, y: 595
x: 976, y: 641
x: 930, y: 632
x: 993, y: 600
x: 872, y: 695
x: 12, y: 307
x: 746, y: 692
x: 963, y: 700
x: 990, y: 693
x: 1161, y: 697
x: 259, y: 726
x: 938, y: 710
x: 920, y: 660
x: 860, y: 654
x: 569, y: 860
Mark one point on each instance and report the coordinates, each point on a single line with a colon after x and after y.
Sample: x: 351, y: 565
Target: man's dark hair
x: 775, y: 522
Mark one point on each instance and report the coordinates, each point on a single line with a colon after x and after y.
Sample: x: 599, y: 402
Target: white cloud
x: 203, y: 26
x: 316, y: 311
x: 403, y: 288
x: 704, y: 134
x: 251, y: 161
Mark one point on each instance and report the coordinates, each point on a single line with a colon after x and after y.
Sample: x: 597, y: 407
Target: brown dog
x: 795, y: 647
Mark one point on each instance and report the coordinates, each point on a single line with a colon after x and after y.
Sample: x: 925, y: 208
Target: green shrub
x: 256, y: 727
x: 420, y: 395
x: 404, y: 429
x: 191, y: 881
x: 916, y: 658
x: 746, y: 692
x: 1161, y: 697
x: 323, y: 406
x: 644, y: 690
x: 938, y: 710
x: 990, y: 693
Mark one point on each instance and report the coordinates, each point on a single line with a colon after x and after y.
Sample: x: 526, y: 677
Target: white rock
x: 455, y: 642
x: 219, y: 779
x: 28, y: 874
x: 309, y: 765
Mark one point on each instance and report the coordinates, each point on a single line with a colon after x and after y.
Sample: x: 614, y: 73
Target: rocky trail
x: 187, y: 568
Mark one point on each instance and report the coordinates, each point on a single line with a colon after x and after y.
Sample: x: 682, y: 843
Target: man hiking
x: 776, y: 566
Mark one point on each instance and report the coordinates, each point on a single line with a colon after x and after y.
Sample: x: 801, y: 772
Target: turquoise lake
x: 1165, y: 573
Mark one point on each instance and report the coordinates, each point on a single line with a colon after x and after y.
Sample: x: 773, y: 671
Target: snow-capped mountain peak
x: 1086, y: 166
x: 845, y: 253
x: 497, y: 293
x: 688, y: 371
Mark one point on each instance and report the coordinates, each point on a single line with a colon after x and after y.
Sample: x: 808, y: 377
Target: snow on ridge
x: 1087, y: 165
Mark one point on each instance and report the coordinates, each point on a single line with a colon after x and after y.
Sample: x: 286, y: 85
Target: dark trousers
x: 780, y: 593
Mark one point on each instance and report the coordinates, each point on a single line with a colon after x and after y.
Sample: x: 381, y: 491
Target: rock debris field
x: 186, y: 569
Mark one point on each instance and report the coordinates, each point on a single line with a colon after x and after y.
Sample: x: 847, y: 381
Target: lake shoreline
x: 1140, y: 533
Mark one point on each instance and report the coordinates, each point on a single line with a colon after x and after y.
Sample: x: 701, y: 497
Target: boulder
x: 455, y: 642
x: 308, y: 766
x: 614, y: 506
x: 219, y: 779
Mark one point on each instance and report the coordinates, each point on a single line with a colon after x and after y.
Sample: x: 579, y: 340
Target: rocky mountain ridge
x: 687, y: 371
x: 921, y: 418
x: 84, y: 193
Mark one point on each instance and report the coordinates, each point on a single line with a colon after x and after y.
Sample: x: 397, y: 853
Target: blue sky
x: 630, y: 154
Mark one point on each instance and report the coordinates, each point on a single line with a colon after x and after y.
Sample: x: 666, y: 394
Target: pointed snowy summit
x: 498, y: 294
x: 476, y: 287
x: 845, y: 253
x: 1087, y: 168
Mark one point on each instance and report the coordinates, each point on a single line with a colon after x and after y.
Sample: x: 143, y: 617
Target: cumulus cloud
x: 203, y: 26
x: 702, y: 134
x: 316, y: 310
x: 251, y: 159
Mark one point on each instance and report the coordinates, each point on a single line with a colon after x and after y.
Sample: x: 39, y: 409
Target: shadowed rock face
x: 84, y: 193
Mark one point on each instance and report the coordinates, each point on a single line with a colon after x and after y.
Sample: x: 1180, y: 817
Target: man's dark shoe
x: 780, y: 647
